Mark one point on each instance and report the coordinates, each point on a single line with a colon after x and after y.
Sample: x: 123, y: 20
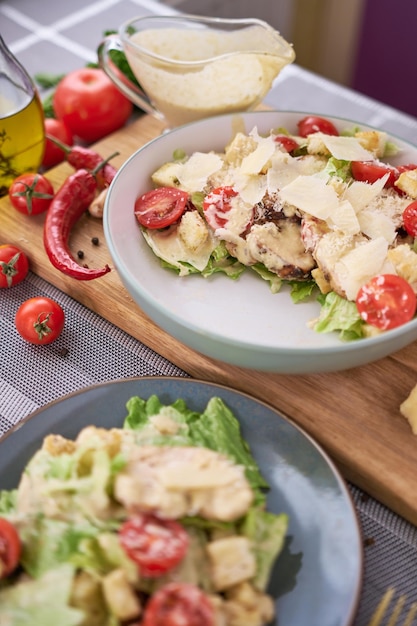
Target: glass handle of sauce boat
x: 22, y: 130
x: 131, y: 90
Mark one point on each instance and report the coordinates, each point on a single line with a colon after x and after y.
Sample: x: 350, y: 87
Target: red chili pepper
x: 69, y: 204
x: 86, y: 158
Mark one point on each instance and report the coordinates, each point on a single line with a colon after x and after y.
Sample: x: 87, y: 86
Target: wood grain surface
x: 353, y: 414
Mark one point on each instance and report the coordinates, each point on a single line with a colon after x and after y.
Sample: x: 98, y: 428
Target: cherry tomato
x: 160, y: 207
x: 14, y: 265
x: 90, y: 105
x: 410, y: 219
x: 31, y: 193
x: 10, y: 548
x: 369, y: 172
x: 179, y: 604
x: 406, y: 168
x: 40, y: 320
x: 314, y: 124
x: 386, y: 301
x: 156, y: 545
x: 288, y: 143
x: 53, y: 153
x: 216, y: 205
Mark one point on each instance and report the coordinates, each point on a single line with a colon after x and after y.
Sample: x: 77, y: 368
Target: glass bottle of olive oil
x: 22, y: 134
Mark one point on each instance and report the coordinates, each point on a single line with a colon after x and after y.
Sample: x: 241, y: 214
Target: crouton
x: 316, y: 145
x: 408, y: 409
x: 373, y: 140
x: 56, y: 445
x: 192, y: 230
x: 407, y: 182
x: 404, y: 260
x: 120, y: 596
x: 232, y: 561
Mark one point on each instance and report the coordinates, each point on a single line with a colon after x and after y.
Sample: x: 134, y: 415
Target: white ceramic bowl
x: 239, y: 322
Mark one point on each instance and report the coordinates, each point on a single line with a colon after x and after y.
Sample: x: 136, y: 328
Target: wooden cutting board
x: 353, y: 414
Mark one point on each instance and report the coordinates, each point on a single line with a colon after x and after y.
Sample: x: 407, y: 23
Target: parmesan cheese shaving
x: 360, y: 194
x: 195, y: 171
x: 284, y: 169
x: 375, y: 225
x: 360, y: 264
x: 343, y: 217
x: 312, y: 195
x: 346, y: 148
x: 254, y: 162
x: 171, y: 249
x: 251, y: 188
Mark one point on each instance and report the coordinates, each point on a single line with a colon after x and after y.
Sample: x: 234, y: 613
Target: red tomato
x: 179, y: 604
x: 288, y: 143
x: 40, y: 320
x: 370, y: 171
x: 410, y: 219
x: 14, y: 265
x: 314, y: 124
x: 216, y: 206
x: 386, y: 301
x: 160, y: 207
x: 10, y: 548
x: 156, y: 545
x: 90, y: 105
x: 31, y: 194
x: 406, y: 168
x: 53, y: 153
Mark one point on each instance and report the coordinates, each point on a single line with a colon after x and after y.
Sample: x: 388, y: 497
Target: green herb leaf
x: 48, y: 81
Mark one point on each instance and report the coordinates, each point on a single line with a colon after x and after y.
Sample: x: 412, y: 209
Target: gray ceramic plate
x: 317, y: 578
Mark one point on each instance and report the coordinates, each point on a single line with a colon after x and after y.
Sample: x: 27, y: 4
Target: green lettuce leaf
x: 49, y: 543
x: 7, y: 501
x: 42, y: 602
x: 337, y: 168
x: 302, y: 290
x: 267, y: 531
x: 215, y: 428
x: 338, y: 314
x: 275, y: 282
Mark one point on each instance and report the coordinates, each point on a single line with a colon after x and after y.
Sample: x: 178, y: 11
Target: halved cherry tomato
x: 54, y: 154
x: 406, y: 168
x: 179, y: 604
x: 160, y: 207
x: 14, y: 265
x: 370, y: 171
x: 39, y: 320
x: 31, y: 193
x: 155, y: 545
x: 315, y: 124
x: 10, y: 548
x: 288, y: 143
x: 386, y: 301
x: 216, y: 206
x: 410, y: 219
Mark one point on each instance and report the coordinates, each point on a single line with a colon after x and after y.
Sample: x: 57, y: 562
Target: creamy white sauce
x: 221, y: 84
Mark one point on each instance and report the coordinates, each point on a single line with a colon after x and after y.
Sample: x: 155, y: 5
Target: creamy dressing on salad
x: 301, y: 217
x: 75, y: 498
x: 236, y: 70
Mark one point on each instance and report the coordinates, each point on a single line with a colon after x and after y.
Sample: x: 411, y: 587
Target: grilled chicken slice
x: 274, y: 238
x: 173, y: 482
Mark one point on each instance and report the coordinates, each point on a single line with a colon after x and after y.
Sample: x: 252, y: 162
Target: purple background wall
x: 386, y: 63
